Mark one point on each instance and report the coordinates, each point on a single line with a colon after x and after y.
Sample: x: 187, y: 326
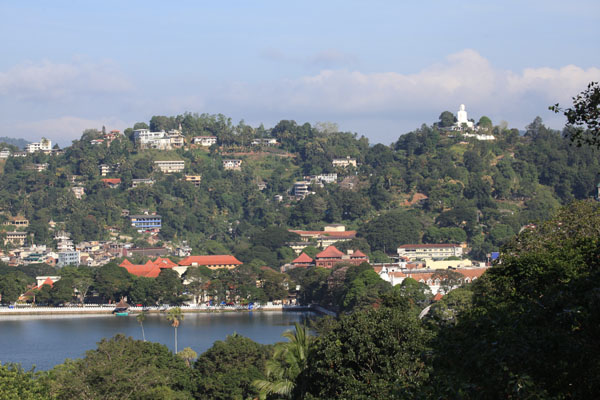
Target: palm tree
x: 289, y: 360
x: 141, y: 317
x: 175, y: 317
x: 188, y: 355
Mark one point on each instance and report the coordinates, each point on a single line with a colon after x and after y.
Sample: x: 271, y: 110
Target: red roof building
x: 303, y: 261
x: 212, y: 262
x: 149, y: 270
x: 111, y: 182
x: 331, y: 256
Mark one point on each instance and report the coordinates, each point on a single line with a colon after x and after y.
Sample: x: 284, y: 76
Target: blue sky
x: 378, y: 68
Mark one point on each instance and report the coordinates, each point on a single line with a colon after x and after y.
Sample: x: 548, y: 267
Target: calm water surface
x: 45, y: 341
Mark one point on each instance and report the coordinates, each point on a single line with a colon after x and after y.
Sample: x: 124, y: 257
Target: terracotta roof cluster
x: 149, y: 270
x: 48, y: 281
x: 218, y: 260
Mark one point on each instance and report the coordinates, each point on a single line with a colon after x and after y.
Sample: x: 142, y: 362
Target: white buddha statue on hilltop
x: 461, y: 117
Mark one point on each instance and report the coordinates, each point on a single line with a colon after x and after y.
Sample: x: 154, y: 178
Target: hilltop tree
x: 583, y: 119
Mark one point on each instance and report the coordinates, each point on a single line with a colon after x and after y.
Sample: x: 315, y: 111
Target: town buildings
x: 205, y: 141
x: 146, y: 223
x: 194, y: 179
x: 235, y: 165
x: 433, y: 251
x: 170, y: 166
x: 330, y: 234
x: 344, y: 162
x: 139, y: 182
x: 44, y: 145
x: 212, y: 262
x: 331, y: 256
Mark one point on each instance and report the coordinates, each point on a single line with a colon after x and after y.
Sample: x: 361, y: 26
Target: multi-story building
x: 235, y: 165
x: 432, y: 251
x: 329, y: 235
x: 194, y: 179
x: 137, y: 182
x: 301, y: 189
x: 344, y: 162
x: 146, y: 223
x: 15, y: 238
x: 331, y: 256
x: 170, y: 166
x: 152, y: 140
x: 4, y: 153
x: 205, y: 141
x: 68, y: 258
x: 18, y: 221
x: 105, y: 169
x: 42, y: 145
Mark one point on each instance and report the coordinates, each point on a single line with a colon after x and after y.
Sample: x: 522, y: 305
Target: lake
x: 45, y: 341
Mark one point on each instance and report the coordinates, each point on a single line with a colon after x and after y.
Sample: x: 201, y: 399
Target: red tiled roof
x: 358, y: 254
x: 423, y: 246
x: 303, y: 258
x: 210, y: 260
x: 149, y: 270
x: 112, y: 181
x: 471, y: 272
x: 330, y: 252
x: 48, y: 281
x: 438, y: 297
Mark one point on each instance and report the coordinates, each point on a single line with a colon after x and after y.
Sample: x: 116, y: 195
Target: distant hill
x: 21, y: 143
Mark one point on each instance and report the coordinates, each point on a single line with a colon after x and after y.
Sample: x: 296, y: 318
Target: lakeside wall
x: 108, y: 309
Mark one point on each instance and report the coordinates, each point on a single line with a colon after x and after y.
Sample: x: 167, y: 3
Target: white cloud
x: 465, y: 77
x: 51, y: 81
x: 64, y: 129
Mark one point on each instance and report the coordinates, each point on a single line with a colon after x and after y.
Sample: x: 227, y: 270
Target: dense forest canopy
x: 431, y: 185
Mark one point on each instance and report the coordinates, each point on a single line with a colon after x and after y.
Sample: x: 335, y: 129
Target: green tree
x: 447, y: 119
x: 175, y: 317
x: 368, y: 355
x: 17, y: 384
x: 390, y: 230
x: 140, y: 318
x: 228, y: 368
x: 584, y: 117
x: 289, y: 360
x: 533, y: 316
x: 122, y: 368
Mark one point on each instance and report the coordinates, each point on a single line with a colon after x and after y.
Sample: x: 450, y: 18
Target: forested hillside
x: 432, y: 185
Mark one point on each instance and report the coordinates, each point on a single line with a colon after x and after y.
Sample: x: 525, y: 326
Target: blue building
x: 146, y: 223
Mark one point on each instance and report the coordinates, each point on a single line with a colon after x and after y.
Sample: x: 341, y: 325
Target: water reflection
x: 45, y: 341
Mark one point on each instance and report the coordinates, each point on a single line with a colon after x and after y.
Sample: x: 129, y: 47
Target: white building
x: 170, y: 166
x: 137, y: 182
x: 344, y: 162
x: 301, y: 189
x: 235, y: 165
x: 152, y: 140
x: 205, y: 141
x: 68, y: 258
x: 5, y: 153
x: 105, y: 169
x: 43, y: 145
x: 265, y: 142
x: 432, y: 251
x: 78, y: 191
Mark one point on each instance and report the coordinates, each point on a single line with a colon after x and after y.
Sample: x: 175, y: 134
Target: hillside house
x: 205, y: 141
x: 432, y: 251
x: 344, y: 162
x: 170, y: 166
x: 235, y: 165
